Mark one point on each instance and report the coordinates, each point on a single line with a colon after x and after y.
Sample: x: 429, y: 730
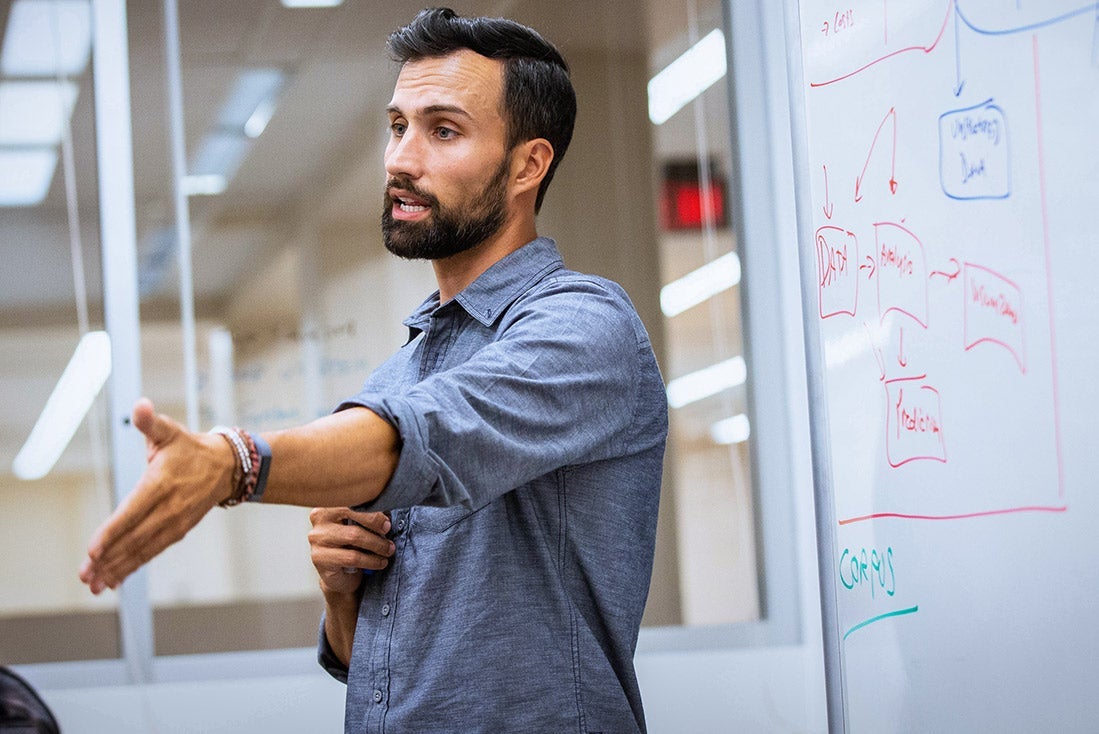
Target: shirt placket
x: 436, y: 341
x: 383, y: 614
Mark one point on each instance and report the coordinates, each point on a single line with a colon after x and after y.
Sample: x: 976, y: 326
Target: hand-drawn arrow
x: 949, y: 276
x: 878, y: 356
x: 888, y: 55
x: 959, y: 82
x: 827, y: 203
x: 891, y: 115
x: 869, y: 264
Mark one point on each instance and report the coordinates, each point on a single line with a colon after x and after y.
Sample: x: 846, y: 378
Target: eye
x: 445, y: 133
x: 397, y: 128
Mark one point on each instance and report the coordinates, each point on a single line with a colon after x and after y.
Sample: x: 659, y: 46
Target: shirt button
x: 377, y: 696
x: 385, y: 610
x: 400, y: 524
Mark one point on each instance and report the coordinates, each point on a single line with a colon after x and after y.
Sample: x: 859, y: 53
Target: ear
x: 530, y: 163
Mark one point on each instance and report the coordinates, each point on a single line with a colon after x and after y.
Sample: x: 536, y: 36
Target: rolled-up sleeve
x: 549, y: 384
x: 327, y: 657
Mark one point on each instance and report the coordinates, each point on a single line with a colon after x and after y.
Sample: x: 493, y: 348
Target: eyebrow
x: 434, y: 109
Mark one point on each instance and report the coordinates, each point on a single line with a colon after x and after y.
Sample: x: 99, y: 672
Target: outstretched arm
x: 341, y: 459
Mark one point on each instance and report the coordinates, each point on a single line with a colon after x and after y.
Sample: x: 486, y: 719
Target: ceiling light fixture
x: 731, y: 430
x: 311, y: 3
x: 25, y: 175
x: 699, y: 285
x: 243, y: 117
x: 688, y: 76
x: 66, y: 407
x: 47, y: 38
x: 209, y: 184
x: 35, y: 112
x: 708, y: 381
x: 253, y: 90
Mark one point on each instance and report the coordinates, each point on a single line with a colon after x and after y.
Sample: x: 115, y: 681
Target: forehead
x: 464, y: 79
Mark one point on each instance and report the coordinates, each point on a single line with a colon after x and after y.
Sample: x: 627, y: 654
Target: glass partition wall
x: 289, y: 298
x: 53, y: 490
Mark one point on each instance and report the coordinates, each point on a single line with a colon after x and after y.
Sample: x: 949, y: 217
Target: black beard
x: 449, y: 230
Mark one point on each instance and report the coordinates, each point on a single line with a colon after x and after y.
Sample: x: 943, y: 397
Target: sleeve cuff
x: 327, y: 658
x: 416, y: 474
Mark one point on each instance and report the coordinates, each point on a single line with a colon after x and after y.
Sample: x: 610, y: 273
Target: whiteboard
x: 947, y: 156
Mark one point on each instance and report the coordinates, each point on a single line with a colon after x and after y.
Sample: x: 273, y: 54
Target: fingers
x: 375, y: 521
x: 133, y: 536
x: 342, y: 538
x: 158, y: 429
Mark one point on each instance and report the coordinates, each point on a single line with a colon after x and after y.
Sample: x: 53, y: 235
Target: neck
x: 453, y: 274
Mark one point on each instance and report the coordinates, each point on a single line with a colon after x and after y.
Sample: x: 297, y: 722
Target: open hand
x: 187, y: 474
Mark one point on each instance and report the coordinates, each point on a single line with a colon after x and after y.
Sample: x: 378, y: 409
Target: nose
x: 403, y: 155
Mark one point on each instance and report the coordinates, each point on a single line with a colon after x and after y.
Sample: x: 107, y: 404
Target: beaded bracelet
x: 253, y: 460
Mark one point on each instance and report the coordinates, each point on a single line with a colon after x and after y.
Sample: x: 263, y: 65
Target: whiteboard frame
x: 821, y: 450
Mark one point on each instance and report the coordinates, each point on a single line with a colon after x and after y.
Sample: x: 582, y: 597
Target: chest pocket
x: 441, y: 519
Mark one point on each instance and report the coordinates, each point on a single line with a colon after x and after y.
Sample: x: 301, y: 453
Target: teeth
x: 411, y: 207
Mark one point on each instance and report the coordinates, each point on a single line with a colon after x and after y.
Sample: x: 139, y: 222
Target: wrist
x: 251, y: 461
x: 346, y: 594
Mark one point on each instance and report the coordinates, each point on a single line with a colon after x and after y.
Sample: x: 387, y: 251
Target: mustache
x: 405, y: 184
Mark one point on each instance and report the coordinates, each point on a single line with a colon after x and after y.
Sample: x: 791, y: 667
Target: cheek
x: 473, y: 174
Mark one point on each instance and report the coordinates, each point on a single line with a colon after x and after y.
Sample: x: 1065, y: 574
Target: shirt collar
x: 495, y: 289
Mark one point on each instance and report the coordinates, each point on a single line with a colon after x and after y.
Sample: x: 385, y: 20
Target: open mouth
x: 410, y: 206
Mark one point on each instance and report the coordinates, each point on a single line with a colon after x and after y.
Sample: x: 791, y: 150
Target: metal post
x: 114, y: 150
x: 182, y: 212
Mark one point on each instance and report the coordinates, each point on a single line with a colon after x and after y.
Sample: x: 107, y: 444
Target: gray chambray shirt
x: 533, y: 420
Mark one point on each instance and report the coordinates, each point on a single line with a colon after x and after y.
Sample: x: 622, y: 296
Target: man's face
x: 446, y: 162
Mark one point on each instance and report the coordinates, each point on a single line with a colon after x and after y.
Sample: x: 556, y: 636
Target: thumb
x: 157, y: 428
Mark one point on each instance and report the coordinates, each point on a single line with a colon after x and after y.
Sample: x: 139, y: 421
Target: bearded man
x: 485, y: 507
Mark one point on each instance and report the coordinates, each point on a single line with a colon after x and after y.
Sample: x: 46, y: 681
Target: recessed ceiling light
x: 35, y: 113
x: 707, y: 381
x: 311, y: 3
x: 731, y: 430
x: 687, y: 77
x: 66, y: 407
x: 47, y: 38
x: 205, y: 185
x: 219, y: 154
x: 253, y: 89
x: 25, y: 175
x: 699, y: 285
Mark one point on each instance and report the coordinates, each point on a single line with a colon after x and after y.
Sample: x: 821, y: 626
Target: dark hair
x: 539, y: 100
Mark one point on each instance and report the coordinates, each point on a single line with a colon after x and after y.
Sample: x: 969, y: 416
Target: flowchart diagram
x: 933, y: 258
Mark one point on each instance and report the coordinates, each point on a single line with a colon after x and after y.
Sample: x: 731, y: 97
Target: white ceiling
x: 321, y: 133
x: 324, y: 138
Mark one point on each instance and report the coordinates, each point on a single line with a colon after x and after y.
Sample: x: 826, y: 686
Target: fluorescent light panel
x: 731, y: 430
x: 210, y: 184
x: 47, y: 38
x: 687, y: 77
x: 699, y: 285
x: 252, y: 89
x: 243, y: 117
x: 25, y: 175
x: 66, y: 407
x: 35, y: 113
x: 311, y: 3
x: 706, y: 382
x: 219, y: 154
x: 257, y: 122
